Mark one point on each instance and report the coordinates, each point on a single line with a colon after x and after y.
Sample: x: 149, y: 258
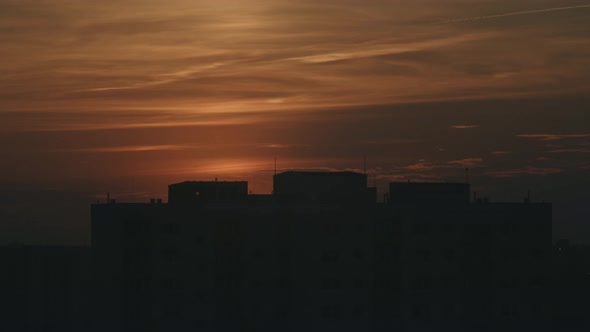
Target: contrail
x: 526, y: 12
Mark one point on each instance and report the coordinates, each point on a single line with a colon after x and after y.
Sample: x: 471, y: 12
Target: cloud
x: 276, y: 146
x: 523, y: 171
x: 385, y: 49
x: 552, y: 137
x: 132, y: 148
x: 524, y: 12
x: 570, y: 151
x: 467, y: 162
x: 432, y: 165
x: 425, y: 166
x: 464, y: 126
x: 500, y: 153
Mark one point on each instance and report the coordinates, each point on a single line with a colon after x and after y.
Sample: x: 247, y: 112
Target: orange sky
x: 129, y: 96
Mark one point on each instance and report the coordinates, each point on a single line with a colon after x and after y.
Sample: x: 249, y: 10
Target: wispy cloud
x: 500, y: 153
x: 425, y: 166
x: 368, y: 51
x: 552, y: 137
x: 467, y: 162
x: 570, y: 151
x: 509, y: 173
x: 132, y: 148
x: 464, y: 126
x: 517, y: 13
x: 276, y: 146
x: 432, y: 165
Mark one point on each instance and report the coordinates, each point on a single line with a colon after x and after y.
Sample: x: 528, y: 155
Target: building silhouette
x: 45, y: 288
x: 319, y: 254
x: 323, y: 255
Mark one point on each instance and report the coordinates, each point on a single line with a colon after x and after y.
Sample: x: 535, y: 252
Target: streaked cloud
x: 570, y: 151
x: 433, y: 165
x: 553, y: 137
x: 524, y: 12
x: 538, y: 171
x: 464, y: 126
x: 136, y: 148
x: 467, y: 162
x: 425, y: 166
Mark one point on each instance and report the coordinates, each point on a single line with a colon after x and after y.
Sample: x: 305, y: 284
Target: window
x: 171, y: 309
x: 422, y: 283
x: 330, y: 311
x: 448, y: 228
x: 200, y: 239
x: 508, y: 283
x: 509, y: 310
x: 170, y: 284
x: 282, y: 311
x: 330, y: 257
x: 282, y: 282
x: 361, y: 228
x: 200, y: 324
x: 170, y: 228
x: 283, y: 255
x: 449, y: 254
x: 358, y: 283
x: 510, y: 253
x: 258, y: 253
x: 332, y: 228
x: 330, y: 283
x: 508, y: 228
x: 420, y: 311
x: 423, y: 255
x: 537, y: 253
x: 170, y: 251
x: 358, y: 310
x: 359, y: 254
x: 421, y: 229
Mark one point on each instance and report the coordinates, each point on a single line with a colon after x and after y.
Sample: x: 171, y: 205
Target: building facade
x: 322, y: 255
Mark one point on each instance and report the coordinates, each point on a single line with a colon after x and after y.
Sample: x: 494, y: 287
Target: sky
x: 129, y: 96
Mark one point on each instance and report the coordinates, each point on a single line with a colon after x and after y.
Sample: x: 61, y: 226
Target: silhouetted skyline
x: 318, y: 254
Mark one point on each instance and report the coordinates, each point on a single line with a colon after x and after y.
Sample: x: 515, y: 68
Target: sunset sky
x: 130, y: 96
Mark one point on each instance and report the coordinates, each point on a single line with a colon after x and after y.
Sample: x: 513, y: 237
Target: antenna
x: 467, y: 175
x: 365, y: 164
x: 275, y: 165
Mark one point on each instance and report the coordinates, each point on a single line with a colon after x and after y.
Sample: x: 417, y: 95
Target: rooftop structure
x: 195, y: 192
x: 333, y: 187
x: 420, y: 193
